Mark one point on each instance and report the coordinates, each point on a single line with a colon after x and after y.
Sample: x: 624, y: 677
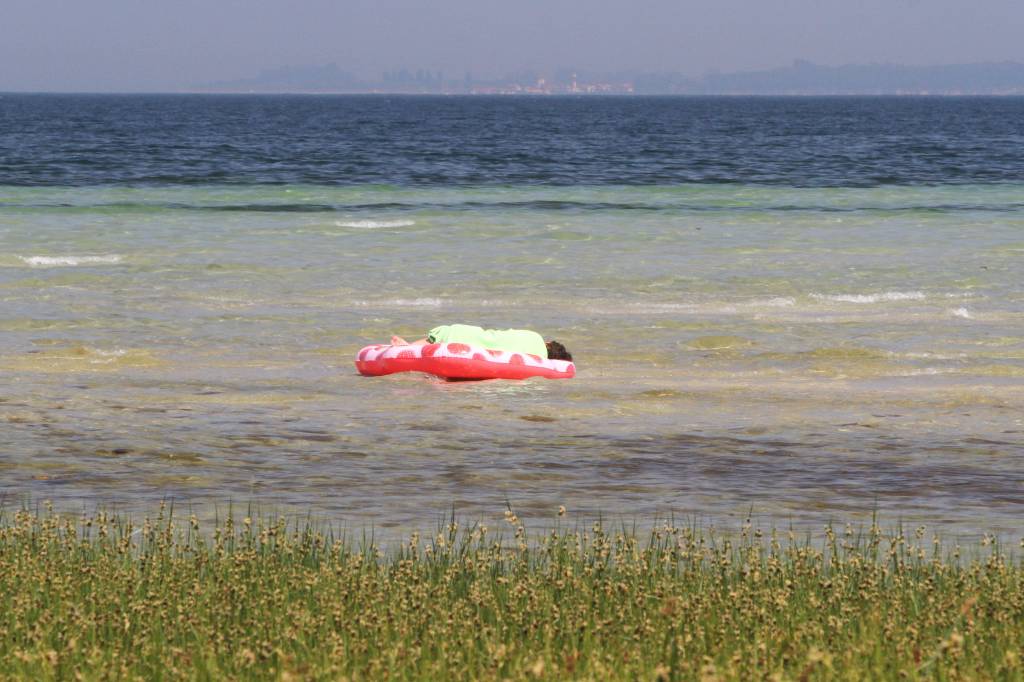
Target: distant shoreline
x: 801, y: 78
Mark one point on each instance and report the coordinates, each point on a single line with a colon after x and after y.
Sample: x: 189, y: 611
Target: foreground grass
x: 99, y: 598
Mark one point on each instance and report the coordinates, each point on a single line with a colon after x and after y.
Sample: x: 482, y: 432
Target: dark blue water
x: 76, y: 140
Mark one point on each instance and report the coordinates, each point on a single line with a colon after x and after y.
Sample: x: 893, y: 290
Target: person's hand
x: 398, y: 341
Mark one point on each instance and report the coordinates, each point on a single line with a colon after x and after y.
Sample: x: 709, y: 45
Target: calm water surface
x: 806, y: 308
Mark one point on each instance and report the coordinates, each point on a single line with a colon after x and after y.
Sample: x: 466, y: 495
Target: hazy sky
x: 170, y: 45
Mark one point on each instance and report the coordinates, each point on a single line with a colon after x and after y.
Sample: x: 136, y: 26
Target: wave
x: 403, y: 303
x: 777, y: 302
x: 69, y: 261
x: 374, y: 224
x: 78, y: 357
x: 961, y: 312
x: 871, y: 298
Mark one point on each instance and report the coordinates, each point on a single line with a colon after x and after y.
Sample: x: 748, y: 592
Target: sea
x: 800, y: 311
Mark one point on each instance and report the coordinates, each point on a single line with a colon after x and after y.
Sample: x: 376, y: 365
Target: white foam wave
x: 374, y: 224
x: 719, y: 307
x: 496, y: 303
x: 69, y: 261
x: 926, y: 372
x: 928, y: 355
x: 871, y: 298
x: 403, y: 303
x: 777, y: 302
x: 961, y: 312
x: 105, y: 357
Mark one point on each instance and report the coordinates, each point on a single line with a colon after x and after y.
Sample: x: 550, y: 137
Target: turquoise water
x: 805, y: 353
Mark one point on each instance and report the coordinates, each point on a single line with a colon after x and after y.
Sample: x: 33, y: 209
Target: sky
x: 158, y: 45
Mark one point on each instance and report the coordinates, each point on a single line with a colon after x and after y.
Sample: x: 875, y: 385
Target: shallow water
x: 804, y: 353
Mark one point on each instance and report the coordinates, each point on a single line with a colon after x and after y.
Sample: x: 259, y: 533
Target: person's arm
x: 435, y: 335
x: 399, y: 341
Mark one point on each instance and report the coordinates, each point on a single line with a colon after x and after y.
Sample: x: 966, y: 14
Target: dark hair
x: 557, y: 351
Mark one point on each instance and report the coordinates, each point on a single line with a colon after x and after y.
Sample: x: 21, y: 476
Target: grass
x: 100, y: 598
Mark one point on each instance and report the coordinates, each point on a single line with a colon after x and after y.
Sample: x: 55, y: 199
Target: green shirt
x: 517, y: 340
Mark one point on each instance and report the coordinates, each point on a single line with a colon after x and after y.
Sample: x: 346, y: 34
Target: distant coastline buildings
x: 799, y: 78
x: 542, y: 86
x: 331, y: 79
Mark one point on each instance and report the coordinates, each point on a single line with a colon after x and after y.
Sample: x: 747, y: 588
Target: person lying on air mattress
x: 517, y: 340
